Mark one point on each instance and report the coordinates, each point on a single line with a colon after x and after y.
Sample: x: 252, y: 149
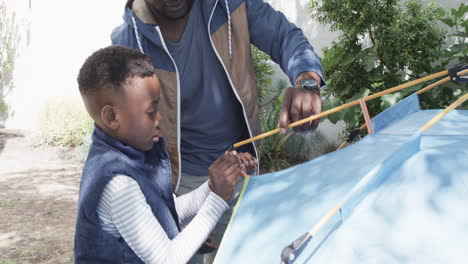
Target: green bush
x: 455, y: 52
x: 272, y: 155
x: 281, y: 151
x: 301, y: 148
x: 263, y: 72
x: 63, y: 122
x: 383, y: 44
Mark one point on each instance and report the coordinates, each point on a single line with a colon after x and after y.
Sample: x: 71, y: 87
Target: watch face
x: 309, y: 84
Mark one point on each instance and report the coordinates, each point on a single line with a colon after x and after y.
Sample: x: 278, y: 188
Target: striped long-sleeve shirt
x: 123, y: 212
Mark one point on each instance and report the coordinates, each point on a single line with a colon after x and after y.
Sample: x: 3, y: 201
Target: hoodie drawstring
x: 135, y: 28
x: 229, y: 28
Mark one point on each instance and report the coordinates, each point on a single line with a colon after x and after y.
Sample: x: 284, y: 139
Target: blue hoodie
x: 232, y: 28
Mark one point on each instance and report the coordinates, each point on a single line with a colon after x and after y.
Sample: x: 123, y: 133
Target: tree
x: 383, y: 44
x: 454, y: 52
x: 9, y: 40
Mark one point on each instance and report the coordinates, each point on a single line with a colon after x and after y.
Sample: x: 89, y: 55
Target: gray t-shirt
x: 211, y: 115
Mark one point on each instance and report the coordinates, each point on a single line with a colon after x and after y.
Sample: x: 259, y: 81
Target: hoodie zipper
x: 178, y: 107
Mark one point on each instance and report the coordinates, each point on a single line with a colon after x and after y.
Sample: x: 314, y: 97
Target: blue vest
x: 151, y: 170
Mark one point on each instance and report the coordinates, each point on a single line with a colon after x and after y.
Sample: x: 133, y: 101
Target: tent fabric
x: 401, y: 109
x: 412, y: 209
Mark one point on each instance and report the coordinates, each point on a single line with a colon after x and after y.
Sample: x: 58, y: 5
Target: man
x: 201, y: 49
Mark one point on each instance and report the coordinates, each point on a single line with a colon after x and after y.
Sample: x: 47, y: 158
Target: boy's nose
x: 157, y: 119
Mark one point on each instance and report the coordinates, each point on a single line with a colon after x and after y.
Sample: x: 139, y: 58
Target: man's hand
x: 224, y: 173
x: 299, y: 103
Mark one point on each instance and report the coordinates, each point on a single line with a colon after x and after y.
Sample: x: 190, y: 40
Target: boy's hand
x: 224, y: 173
x: 248, y: 160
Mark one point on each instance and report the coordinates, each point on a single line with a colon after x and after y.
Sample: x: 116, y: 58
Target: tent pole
x: 342, y: 107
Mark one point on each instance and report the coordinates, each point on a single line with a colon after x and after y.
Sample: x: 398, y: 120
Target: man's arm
x: 286, y: 44
x: 271, y: 32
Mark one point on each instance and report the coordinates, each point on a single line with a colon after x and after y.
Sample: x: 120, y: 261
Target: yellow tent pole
x: 445, y: 112
x: 439, y: 82
x: 342, y: 107
x: 444, y: 80
x: 405, y: 85
x: 345, y: 143
x: 423, y: 90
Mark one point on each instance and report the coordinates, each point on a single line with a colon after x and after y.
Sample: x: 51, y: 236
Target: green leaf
x: 461, y: 34
x: 407, y: 91
x: 352, y: 116
x: 463, y: 7
x: 334, y: 118
x: 365, y: 92
x: 464, y: 23
x: 454, y: 12
x: 369, y: 62
x: 441, y: 12
x: 348, y: 59
x: 376, y: 85
x: 373, y: 49
x: 448, y: 21
x: 456, y: 47
x: 330, y: 103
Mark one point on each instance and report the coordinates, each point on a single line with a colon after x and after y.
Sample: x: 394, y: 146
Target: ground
x: 38, y: 196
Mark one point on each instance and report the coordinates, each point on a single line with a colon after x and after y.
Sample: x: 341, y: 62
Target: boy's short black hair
x: 110, y: 67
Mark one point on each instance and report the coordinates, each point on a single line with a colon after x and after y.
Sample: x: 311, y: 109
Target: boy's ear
x: 109, y: 117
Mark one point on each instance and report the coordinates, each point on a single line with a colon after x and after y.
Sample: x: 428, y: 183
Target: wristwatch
x: 309, y: 85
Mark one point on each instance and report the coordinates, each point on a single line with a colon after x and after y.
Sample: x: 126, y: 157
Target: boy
x: 127, y: 212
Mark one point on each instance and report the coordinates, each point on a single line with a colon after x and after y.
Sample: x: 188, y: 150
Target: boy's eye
x: 152, y: 113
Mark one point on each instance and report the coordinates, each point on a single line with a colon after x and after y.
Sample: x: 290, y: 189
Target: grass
x: 82, y: 150
x: 7, y: 204
x: 63, y: 122
x: 31, y: 251
x: 7, y: 261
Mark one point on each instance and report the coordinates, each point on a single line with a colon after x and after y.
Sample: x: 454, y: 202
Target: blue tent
x: 403, y: 196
